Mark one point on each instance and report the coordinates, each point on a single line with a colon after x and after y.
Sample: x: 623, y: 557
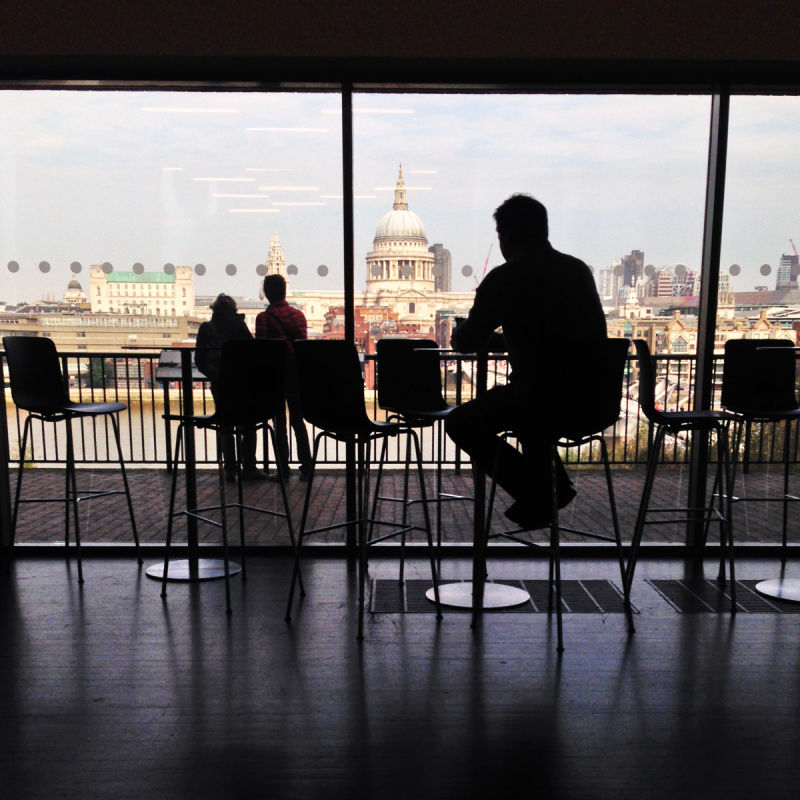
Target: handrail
x: 129, y: 376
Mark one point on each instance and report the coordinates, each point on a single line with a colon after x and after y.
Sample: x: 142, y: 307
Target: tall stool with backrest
x: 409, y: 381
x: 249, y: 393
x: 701, y: 421
x: 332, y: 397
x: 38, y: 387
x: 600, y: 413
x: 759, y: 386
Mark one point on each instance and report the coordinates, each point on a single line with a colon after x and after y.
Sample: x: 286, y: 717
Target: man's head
x: 521, y: 222
x: 224, y: 303
x: 274, y: 288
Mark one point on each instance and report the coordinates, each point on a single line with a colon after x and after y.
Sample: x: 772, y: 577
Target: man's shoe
x: 527, y: 516
x: 253, y: 475
x: 275, y: 477
x: 532, y: 517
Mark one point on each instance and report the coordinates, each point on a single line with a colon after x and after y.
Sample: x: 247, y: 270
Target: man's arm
x: 301, y: 324
x: 476, y: 331
x: 202, y: 353
x: 262, y: 330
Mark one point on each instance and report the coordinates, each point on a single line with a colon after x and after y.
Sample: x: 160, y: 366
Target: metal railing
x: 131, y: 378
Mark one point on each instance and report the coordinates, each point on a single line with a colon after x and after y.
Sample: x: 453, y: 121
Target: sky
x: 205, y: 179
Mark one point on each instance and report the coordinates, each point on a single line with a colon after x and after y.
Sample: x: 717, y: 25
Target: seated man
x: 553, y: 323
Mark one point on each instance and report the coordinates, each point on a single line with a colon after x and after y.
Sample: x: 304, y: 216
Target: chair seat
x: 214, y: 420
x: 367, y: 427
x: 696, y: 420
x: 421, y: 418
x: 767, y: 414
x: 93, y: 409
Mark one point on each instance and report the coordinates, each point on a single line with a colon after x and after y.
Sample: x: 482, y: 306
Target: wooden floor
x: 108, y: 692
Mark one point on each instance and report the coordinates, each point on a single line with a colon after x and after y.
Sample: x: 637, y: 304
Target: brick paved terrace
x: 105, y: 520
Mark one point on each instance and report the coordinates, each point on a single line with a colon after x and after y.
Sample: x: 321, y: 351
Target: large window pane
x: 623, y: 178
x: 140, y: 180
x: 759, y: 297
x: 124, y: 213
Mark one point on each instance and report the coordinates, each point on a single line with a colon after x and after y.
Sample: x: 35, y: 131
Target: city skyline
x: 208, y: 178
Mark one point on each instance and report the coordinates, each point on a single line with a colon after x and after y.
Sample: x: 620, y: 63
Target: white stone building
x: 156, y: 294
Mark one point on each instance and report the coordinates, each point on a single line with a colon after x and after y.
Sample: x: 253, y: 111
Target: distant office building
x: 674, y: 280
x: 787, y: 272
x: 442, y: 268
x: 609, y: 282
x: 632, y: 267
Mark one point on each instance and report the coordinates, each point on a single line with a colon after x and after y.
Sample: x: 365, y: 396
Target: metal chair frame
x: 616, y: 357
x: 43, y: 394
x: 419, y: 404
x: 675, y: 422
x: 758, y: 386
x: 238, y: 412
x: 333, y: 365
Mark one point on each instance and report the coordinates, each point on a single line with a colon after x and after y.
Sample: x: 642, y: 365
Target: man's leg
x: 526, y: 478
x: 300, y: 432
x: 281, y: 443
x: 474, y: 426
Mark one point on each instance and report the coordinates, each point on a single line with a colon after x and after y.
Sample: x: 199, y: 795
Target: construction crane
x: 485, y: 265
x: 795, y: 249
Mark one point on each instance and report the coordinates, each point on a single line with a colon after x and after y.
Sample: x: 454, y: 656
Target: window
x: 761, y: 232
x: 593, y: 160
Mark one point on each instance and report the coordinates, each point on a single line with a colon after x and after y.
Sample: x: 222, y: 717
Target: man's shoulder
x: 568, y: 260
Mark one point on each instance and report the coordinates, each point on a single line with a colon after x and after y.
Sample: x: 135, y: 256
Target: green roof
x: 145, y: 277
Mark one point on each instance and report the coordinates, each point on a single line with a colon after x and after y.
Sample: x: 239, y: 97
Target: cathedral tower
x: 399, y: 260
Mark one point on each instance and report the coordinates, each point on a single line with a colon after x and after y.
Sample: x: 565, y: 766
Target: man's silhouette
x: 553, y: 329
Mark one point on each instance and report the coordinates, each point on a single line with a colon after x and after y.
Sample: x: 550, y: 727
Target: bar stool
x: 332, y: 397
x: 37, y: 386
x: 249, y: 393
x: 409, y: 382
x: 587, y: 427
x: 758, y: 386
x: 675, y: 422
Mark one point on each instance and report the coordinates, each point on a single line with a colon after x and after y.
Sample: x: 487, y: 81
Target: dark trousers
x: 474, y: 427
x: 248, y: 452
x: 300, y: 434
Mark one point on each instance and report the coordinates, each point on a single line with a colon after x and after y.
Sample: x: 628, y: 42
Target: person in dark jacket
x: 226, y: 325
x: 554, y: 330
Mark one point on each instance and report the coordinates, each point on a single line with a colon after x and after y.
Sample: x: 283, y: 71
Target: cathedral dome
x: 400, y: 223
x: 74, y: 285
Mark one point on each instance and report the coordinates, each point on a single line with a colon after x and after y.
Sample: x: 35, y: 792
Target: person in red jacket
x: 282, y: 321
